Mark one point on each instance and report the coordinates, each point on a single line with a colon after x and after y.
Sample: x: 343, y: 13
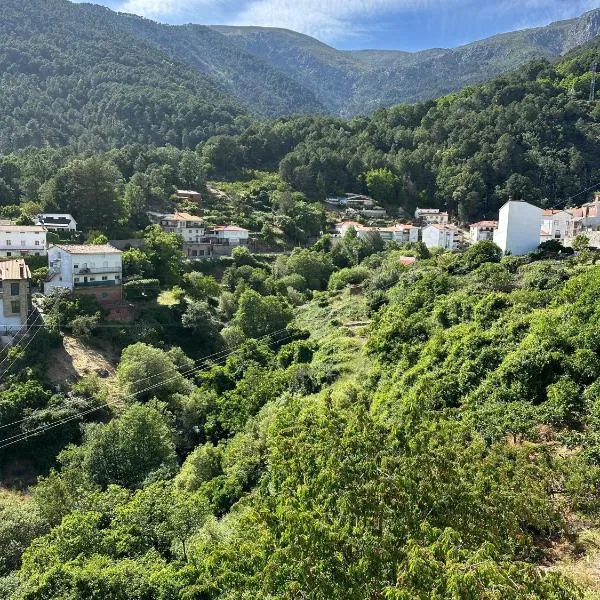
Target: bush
x: 141, y: 289
x: 348, y: 276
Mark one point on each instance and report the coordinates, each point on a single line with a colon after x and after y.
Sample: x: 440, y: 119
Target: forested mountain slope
x: 81, y: 74
x: 73, y: 74
x: 350, y: 83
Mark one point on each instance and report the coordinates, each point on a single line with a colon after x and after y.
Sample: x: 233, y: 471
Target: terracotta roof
x: 550, y: 212
x: 22, y: 228
x: 88, y: 248
x: 229, y: 228
x: 407, y: 260
x: 14, y: 269
x: 181, y: 216
x: 485, y: 224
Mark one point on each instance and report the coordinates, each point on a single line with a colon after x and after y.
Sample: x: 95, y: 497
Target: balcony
x: 88, y: 284
x: 96, y: 270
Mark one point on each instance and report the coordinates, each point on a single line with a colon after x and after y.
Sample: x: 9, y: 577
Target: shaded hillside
x: 351, y: 83
x: 72, y: 74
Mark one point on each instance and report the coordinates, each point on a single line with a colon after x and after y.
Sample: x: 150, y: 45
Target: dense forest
x: 531, y: 134
x: 81, y: 75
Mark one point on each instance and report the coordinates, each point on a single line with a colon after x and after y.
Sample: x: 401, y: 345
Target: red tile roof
x: 481, y: 224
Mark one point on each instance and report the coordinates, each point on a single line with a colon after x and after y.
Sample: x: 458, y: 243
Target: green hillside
x: 82, y: 75
x: 70, y: 74
x: 446, y: 448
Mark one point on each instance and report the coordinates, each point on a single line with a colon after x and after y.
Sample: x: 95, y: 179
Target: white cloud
x: 328, y: 20
x: 171, y: 9
x: 334, y: 20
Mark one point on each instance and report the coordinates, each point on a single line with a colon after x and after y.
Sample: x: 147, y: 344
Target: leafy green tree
x: 145, y: 372
x: 128, y: 449
x: 88, y: 189
x: 164, y: 251
x: 384, y: 186
x: 258, y: 315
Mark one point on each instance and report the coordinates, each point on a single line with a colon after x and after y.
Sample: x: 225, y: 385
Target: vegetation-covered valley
x: 403, y: 432
x: 312, y: 416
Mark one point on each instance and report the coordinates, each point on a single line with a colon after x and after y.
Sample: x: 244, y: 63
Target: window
x: 9, y: 242
x: 9, y: 253
x: 92, y: 279
x: 15, y: 307
x: 76, y: 266
x: 14, y: 289
x: 76, y: 280
x: 37, y: 242
x: 104, y: 277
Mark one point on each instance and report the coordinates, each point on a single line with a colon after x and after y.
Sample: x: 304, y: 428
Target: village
x: 97, y: 269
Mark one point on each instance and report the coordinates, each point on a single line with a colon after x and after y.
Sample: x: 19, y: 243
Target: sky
x: 358, y: 24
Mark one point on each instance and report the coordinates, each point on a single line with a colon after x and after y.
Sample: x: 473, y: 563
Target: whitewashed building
x: 556, y: 225
x: 15, y: 296
x: 57, y: 221
x: 189, y: 227
x: 429, y: 216
x: 519, y: 227
x: 441, y: 236
x: 232, y: 235
x: 482, y: 230
x: 87, y: 269
x: 22, y: 240
x: 399, y: 232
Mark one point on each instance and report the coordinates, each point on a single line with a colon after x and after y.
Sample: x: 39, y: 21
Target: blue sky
x: 353, y: 24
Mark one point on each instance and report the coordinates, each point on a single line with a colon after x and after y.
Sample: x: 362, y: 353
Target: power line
x: 23, y: 436
x: 24, y: 348
x: 203, y: 361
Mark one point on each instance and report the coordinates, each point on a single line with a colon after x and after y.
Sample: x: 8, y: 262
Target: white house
x: 57, y: 221
x: 556, y: 225
x: 22, y: 240
x: 441, y: 236
x: 519, y: 227
x: 400, y: 232
x: 231, y: 235
x: 191, y: 228
x: 482, y: 230
x: 191, y: 195
x: 429, y: 216
x: 86, y: 269
x: 15, y: 298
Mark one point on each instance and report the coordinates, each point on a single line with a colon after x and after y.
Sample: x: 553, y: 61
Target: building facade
x: 57, y: 221
x: 190, y: 195
x: 87, y: 269
x: 400, y: 232
x: 15, y: 295
x: 22, y: 240
x: 519, y: 227
x: 429, y: 216
x: 483, y: 230
x: 441, y: 236
x: 556, y: 225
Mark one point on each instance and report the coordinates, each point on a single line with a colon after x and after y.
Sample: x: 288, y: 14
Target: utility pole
x: 593, y: 83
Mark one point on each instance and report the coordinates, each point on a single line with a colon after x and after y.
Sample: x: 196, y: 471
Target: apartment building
x: 22, y: 240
